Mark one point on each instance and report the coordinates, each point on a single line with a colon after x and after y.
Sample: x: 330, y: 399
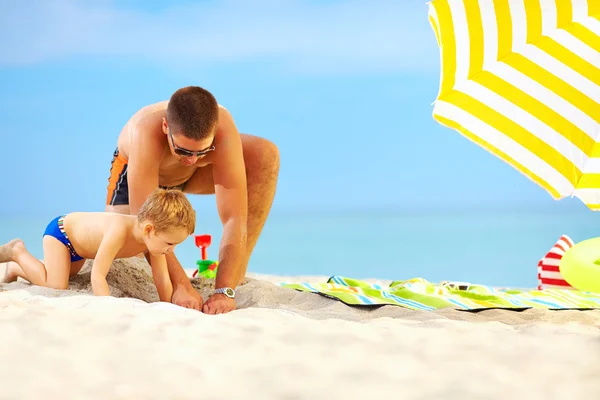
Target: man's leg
x: 262, y: 170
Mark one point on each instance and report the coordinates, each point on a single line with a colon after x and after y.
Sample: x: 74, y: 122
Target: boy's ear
x: 148, y: 228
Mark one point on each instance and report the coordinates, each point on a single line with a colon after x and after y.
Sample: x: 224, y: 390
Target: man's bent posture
x: 191, y: 143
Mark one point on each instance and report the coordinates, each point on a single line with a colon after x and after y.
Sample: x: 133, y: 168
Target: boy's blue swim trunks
x: 56, y: 229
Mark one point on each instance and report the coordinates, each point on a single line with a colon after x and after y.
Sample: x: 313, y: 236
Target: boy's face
x: 160, y: 243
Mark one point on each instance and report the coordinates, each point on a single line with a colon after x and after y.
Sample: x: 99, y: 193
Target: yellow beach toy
x: 580, y: 265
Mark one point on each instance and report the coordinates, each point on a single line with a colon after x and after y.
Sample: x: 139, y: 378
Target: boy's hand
x: 160, y: 275
x: 100, y: 286
x: 188, y: 299
x: 218, y: 304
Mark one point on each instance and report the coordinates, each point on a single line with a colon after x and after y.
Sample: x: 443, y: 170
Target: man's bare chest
x: 173, y: 172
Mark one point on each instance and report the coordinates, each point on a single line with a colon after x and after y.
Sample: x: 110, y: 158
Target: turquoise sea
x: 491, y: 246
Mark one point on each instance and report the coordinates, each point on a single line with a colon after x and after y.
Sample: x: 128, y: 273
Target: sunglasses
x: 180, y: 151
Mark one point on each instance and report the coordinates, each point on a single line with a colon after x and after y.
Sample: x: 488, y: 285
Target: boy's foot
x: 10, y: 275
x: 7, y: 250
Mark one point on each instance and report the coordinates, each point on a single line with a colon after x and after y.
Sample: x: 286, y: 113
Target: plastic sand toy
x: 206, y: 268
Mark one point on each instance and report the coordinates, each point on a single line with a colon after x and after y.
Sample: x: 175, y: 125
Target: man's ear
x: 165, y: 126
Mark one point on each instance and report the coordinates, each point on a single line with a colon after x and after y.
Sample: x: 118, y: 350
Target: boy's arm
x: 162, y: 281
x: 112, y: 241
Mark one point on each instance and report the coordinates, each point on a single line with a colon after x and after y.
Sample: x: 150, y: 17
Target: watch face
x: 229, y: 292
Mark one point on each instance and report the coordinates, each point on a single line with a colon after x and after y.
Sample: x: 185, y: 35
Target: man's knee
x: 271, y: 154
x: 262, y: 154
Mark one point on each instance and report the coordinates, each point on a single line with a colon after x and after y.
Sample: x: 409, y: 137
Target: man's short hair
x: 192, y: 112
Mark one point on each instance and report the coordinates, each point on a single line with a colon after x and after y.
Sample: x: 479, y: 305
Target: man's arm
x: 146, y: 150
x: 112, y: 241
x: 229, y: 175
x: 160, y: 274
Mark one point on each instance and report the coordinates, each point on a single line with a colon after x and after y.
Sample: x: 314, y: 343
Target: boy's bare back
x: 88, y: 229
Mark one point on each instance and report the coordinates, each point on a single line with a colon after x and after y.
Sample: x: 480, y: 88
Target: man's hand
x: 218, y: 304
x: 188, y: 299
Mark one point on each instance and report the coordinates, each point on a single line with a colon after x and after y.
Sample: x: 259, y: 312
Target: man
x: 191, y: 143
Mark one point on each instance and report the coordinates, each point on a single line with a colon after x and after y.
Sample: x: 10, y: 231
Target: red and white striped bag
x: 549, y: 276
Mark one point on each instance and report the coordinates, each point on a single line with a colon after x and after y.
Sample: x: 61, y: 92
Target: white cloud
x: 353, y: 35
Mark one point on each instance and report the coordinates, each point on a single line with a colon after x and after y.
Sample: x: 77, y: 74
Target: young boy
x: 164, y: 220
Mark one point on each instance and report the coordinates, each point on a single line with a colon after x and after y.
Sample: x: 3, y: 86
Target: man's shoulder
x: 151, y: 115
x: 225, y: 121
x: 147, y: 124
x: 224, y: 112
x: 155, y: 107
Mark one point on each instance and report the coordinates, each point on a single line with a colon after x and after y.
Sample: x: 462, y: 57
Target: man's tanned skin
x: 241, y: 170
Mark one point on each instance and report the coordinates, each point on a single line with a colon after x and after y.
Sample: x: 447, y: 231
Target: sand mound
x: 127, y: 278
x: 131, y: 277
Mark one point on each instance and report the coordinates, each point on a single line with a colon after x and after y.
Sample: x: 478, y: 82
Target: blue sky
x: 344, y: 88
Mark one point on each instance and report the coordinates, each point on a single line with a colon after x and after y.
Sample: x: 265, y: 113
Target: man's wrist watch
x: 229, y: 292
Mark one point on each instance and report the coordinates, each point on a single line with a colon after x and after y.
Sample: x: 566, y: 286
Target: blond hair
x: 168, y: 209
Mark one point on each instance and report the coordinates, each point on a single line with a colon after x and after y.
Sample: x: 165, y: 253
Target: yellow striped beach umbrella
x: 521, y: 78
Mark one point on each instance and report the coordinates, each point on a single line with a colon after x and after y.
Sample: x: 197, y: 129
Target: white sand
x: 282, y: 344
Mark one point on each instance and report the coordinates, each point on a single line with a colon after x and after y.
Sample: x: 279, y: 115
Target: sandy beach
x: 281, y: 344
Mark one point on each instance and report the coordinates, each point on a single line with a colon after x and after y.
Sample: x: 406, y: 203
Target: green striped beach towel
x: 419, y: 294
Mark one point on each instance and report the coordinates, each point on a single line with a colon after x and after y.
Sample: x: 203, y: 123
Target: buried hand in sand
x: 191, y: 143
x: 164, y: 220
